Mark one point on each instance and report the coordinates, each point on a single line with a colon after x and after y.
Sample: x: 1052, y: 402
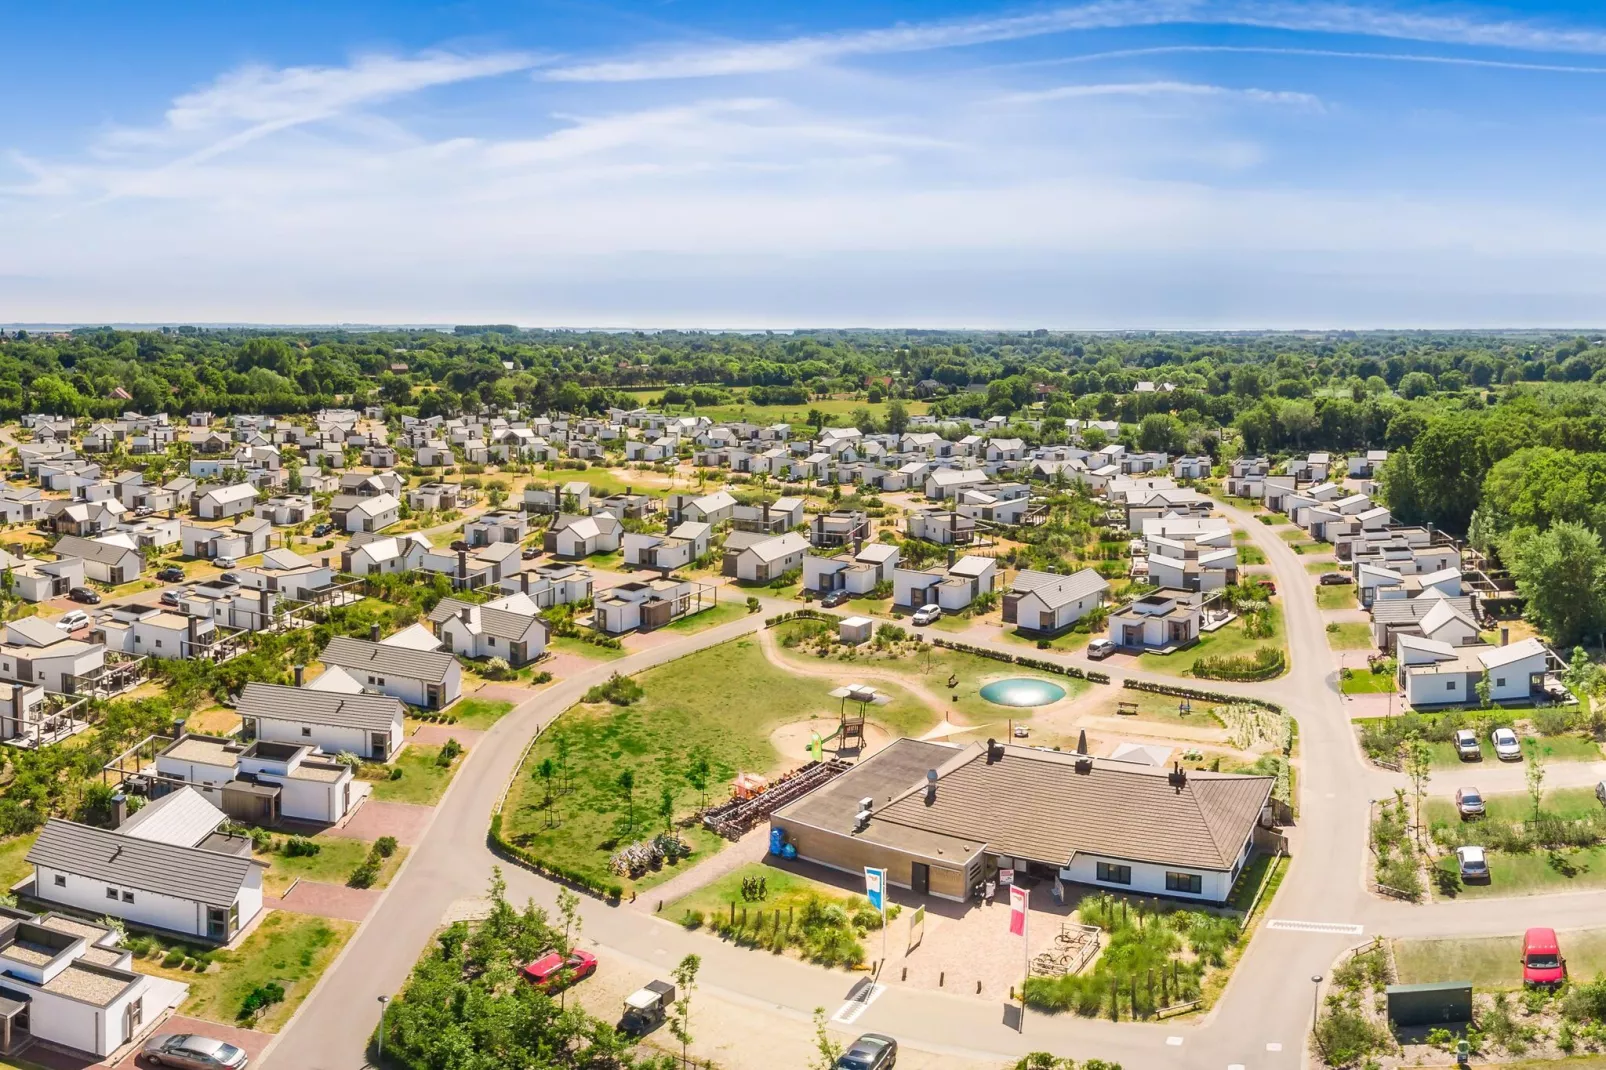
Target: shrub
x: 1345, y: 1036
x: 753, y: 604
x: 449, y: 752
x: 348, y: 759
x: 1263, y: 664
x: 542, y: 677
x: 260, y: 999
x: 173, y: 957
x: 364, y: 875
x: 395, y: 773
x: 497, y: 669
x: 385, y: 846
x: 692, y: 919
x: 301, y: 847
x: 619, y: 690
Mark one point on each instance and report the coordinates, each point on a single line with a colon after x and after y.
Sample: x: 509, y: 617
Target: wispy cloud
x: 1336, y: 18
x: 1321, y: 53
x: 1163, y: 89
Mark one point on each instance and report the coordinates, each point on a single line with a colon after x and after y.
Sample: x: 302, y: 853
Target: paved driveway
x: 405, y: 821
x: 250, y: 1041
x: 326, y: 900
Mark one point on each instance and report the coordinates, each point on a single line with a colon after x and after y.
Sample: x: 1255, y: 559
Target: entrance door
x: 920, y: 877
x: 379, y: 745
x: 217, y: 924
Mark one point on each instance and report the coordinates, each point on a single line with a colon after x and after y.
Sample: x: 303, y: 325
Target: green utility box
x: 1431, y: 1004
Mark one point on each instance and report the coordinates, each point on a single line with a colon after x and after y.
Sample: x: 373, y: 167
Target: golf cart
x: 645, y: 1007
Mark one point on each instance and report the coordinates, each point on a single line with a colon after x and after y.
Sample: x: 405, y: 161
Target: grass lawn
x: 423, y: 781
x: 603, y: 482
x: 1228, y: 642
x: 12, y: 866
x: 610, y: 561
x: 1529, y: 873
x: 1291, y: 534
x: 1161, y: 709
x: 1361, y: 682
x: 1067, y: 641
x: 568, y: 644
x: 838, y: 410
x: 724, y: 701
x: 721, y: 612
x: 292, y: 949
x: 333, y: 863
x: 479, y: 713
x: 1356, y: 636
x: 1338, y: 596
x: 1565, y: 748
x: 1317, y: 567
x: 783, y: 890
x: 1249, y: 554
x: 1516, y: 806
x: 1495, y: 962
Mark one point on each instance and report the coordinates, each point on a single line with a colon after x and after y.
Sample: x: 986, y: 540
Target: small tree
x: 1483, y: 690
x: 697, y: 773
x: 1535, y: 776
x: 563, y: 761
x: 627, y: 788
x: 666, y: 807
x: 829, y: 1050
x: 545, y: 771
x: 680, y: 1024
x: 1418, y: 766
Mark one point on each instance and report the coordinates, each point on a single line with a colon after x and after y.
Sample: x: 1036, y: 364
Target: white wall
x: 327, y: 738
x: 1148, y: 878
x: 148, y: 908
x: 68, y: 1022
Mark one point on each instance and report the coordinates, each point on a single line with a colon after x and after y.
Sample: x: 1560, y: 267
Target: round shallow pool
x: 1022, y: 691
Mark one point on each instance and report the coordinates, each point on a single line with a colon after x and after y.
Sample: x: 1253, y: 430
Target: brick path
x: 326, y: 900
x: 433, y: 735
x: 405, y: 821
x: 249, y: 1040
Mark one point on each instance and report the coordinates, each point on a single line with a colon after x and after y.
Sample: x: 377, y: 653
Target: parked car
x: 1506, y: 747
x: 144, y: 510
x: 873, y: 1051
x: 833, y: 599
x: 1099, y: 649
x: 1335, y: 579
x: 84, y: 595
x: 169, y: 598
x: 191, y: 1051
x: 1469, y: 802
x: 171, y: 574
x: 926, y: 614
x: 645, y: 1007
x: 320, y: 530
x: 224, y: 562
x: 1466, y: 745
x: 531, y: 552
x: 1472, y: 863
x: 72, y: 620
x: 1267, y: 585
x: 1542, y: 963
x: 555, y: 971
x: 229, y: 577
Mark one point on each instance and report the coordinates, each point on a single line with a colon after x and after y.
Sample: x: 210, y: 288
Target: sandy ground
x: 791, y: 740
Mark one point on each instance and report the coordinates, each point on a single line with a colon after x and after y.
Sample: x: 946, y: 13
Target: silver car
x: 191, y: 1051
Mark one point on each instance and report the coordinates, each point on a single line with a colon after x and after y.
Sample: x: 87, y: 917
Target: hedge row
x: 1220, y: 698
x: 519, y: 856
x: 801, y: 614
x: 1255, y: 669
x: 1090, y: 675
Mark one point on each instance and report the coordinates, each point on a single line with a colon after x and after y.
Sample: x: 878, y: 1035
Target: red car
x: 551, y: 971
x: 1542, y: 963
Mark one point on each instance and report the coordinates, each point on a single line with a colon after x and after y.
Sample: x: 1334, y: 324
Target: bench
x: 1129, y: 709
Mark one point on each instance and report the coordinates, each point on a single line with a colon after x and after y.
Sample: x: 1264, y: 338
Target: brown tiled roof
x: 1047, y: 806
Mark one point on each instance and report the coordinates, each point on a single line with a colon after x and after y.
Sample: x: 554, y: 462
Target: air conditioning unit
x: 861, y: 820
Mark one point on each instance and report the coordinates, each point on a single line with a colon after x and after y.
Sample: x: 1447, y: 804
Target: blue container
x: 777, y: 841
x: 788, y: 851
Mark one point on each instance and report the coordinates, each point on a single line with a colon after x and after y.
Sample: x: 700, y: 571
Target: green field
x: 1356, y: 636
x: 1495, y: 962
x: 1318, y: 567
x: 1338, y: 596
x: 337, y: 856
x: 1529, y: 873
x: 1567, y: 748
x: 12, y: 866
x: 291, y: 949
x: 423, y: 780
x: 1517, y: 806
x: 1361, y: 682
x: 565, y: 644
x: 479, y: 713
x: 724, y: 701
x: 783, y: 890
x: 1227, y: 642
x: 722, y: 612
x: 839, y: 411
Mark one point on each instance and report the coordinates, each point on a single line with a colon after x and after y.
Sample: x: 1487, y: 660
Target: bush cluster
x: 528, y: 859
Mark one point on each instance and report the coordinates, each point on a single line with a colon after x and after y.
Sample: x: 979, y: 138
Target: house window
x: 128, y: 897
x: 61, y: 880
x: 158, y: 644
x: 1500, y: 681
x: 305, y: 730
x: 1190, y: 883
x: 111, y: 893
x: 1110, y: 873
x: 1449, y: 685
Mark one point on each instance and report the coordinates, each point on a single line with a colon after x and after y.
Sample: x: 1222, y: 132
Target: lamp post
x: 384, y: 1005
x: 1315, y: 995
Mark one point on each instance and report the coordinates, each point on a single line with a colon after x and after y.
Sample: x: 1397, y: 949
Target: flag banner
x: 875, y: 887
x: 1017, y: 910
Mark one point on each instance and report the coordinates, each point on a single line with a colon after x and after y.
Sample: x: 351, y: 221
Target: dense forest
x: 1500, y: 438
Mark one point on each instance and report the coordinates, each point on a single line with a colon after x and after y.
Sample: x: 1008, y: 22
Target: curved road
x: 1260, y: 1023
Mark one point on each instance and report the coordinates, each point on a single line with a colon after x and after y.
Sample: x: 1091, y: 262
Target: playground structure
x: 849, y: 732
x: 747, y: 807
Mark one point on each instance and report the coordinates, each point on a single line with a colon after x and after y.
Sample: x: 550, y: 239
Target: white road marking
x: 1235, y: 1066
x: 1274, y: 1046
x: 849, y: 1012
x: 1334, y: 928
x: 1175, y: 1042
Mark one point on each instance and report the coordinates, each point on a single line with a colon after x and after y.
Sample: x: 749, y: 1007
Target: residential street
x: 1260, y: 1023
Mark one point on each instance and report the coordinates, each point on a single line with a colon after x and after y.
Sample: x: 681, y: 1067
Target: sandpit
x: 791, y: 740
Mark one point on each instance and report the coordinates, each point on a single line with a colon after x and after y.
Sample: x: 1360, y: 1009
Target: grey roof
x: 192, y: 873
x: 431, y: 667
x: 502, y: 623
x: 372, y: 713
x: 1410, y: 610
x: 183, y: 817
x: 107, y: 553
x: 1066, y: 589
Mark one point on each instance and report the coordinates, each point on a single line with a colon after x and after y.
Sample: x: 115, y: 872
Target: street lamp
x: 1316, y: 979
x: 384, y: 1005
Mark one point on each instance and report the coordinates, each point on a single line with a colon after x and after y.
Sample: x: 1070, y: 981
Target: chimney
x: 1505, y: 636
x: 373, y: 632
x: 466, y: 615
x: 265, y: 599
x: 177, y: 727
x: 1178, y: 776
x: 766, y: 507
x: 931, y: 786
x: 462, y: 564
x: 119, y: 810
x: 950, y: 557
x: 301, y: 674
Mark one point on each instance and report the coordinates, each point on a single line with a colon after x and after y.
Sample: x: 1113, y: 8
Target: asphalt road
x: 1260, y: 1023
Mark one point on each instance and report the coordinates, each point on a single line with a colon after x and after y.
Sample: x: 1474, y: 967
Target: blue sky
x: 1103, y: 164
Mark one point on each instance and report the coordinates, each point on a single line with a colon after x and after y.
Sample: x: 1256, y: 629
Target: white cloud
x: 1163, y: 89
x: 1335, y: 18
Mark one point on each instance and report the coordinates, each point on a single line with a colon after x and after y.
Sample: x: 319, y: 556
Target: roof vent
x: 995, y: 751
x: 931, y: 786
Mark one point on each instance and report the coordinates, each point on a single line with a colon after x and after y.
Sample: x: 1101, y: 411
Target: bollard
x: 905, y: 976
x: 941, y: 977
x: 659, y: 909
x: 978, y: 988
